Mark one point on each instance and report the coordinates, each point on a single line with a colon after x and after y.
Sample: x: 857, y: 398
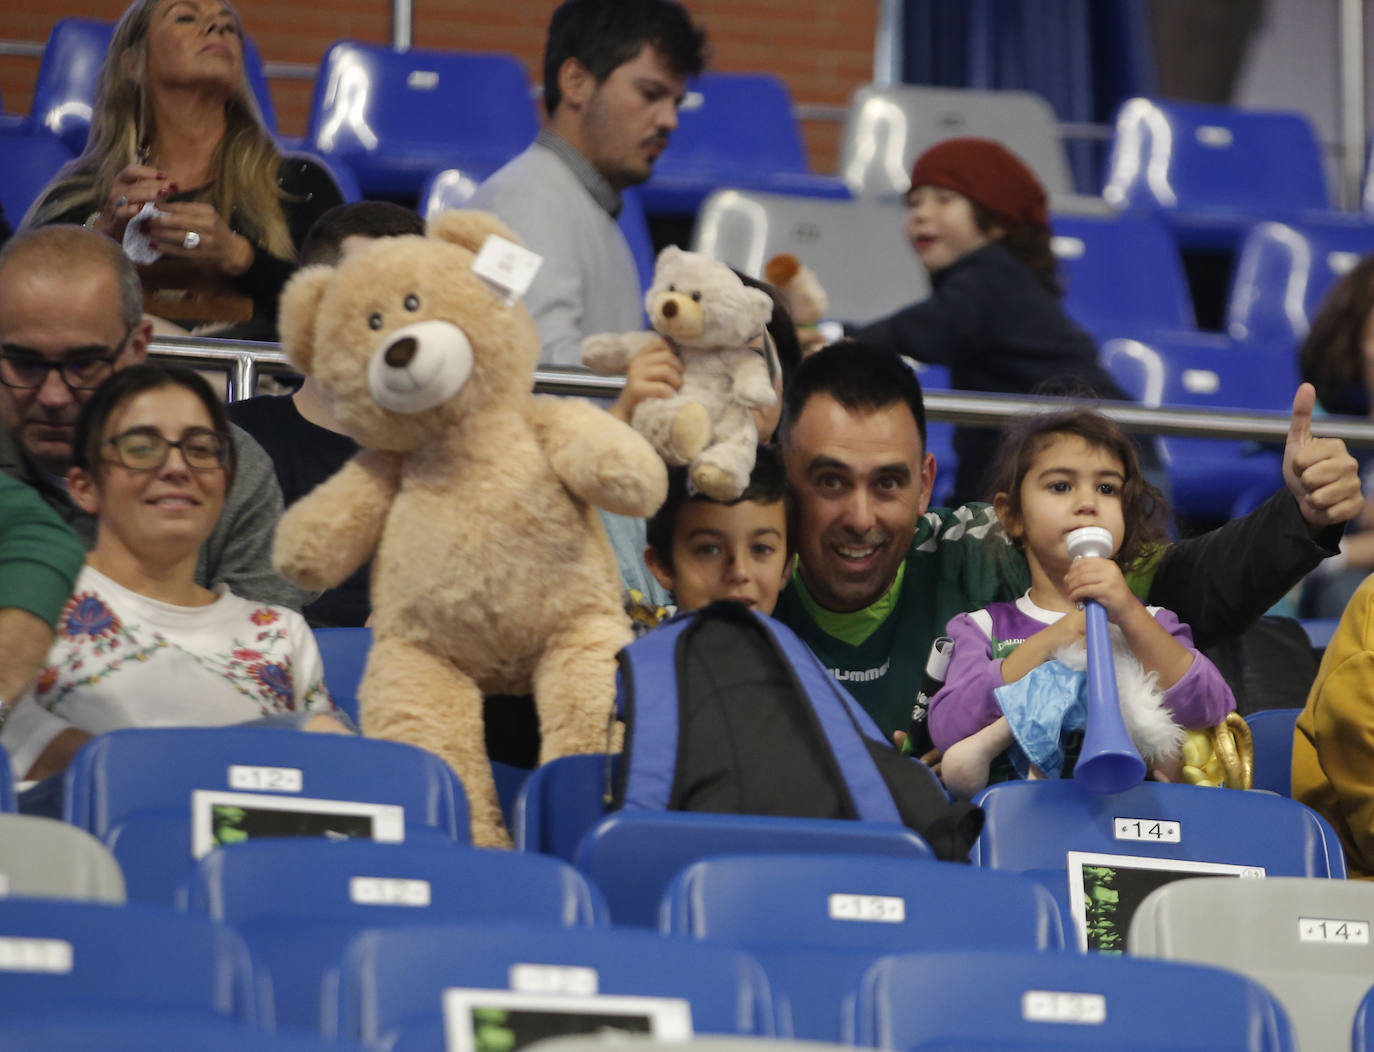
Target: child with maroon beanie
x: 977, y: 218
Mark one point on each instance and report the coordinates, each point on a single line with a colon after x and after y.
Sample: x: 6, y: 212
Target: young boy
x: 701, y: 550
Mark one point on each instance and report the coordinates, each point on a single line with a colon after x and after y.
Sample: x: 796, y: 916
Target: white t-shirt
x: 121, y: 659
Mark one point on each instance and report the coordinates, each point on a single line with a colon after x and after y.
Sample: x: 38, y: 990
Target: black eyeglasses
x: 144, y: 449
x: 81, y: 369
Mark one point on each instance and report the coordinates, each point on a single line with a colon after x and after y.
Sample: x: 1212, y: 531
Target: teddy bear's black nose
x: 670, y: 309
x: 400, y: 353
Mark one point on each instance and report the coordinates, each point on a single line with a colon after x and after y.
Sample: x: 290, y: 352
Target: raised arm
x: 1221, y: 582
x: 334, y: 528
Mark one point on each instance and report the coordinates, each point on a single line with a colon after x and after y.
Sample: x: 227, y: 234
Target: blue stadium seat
x: 1363, y: 1038
x: 297, y: 902
x: 133, y: 788
x: 7, y: 791
x: 70, y: 71
x: 140, y: 1030
x: 1122, y: 274
x: 396, y: 116
x: 391, y: 980
x: 1205, y: 371
x: 1320, y: 630
x: 1306, y: 940
x: 1030, y: 825
x: 939, y: 433
x: 1272, y: 731
x: 736, y: 130
x: 67, y: 77
x: 978, y: 1001
x: 560, y: 801
x: 816, y: 922
x: 32, y: 158
x: 1213, y: 171
x: 1284, y: 271
x: 635, y: 226
x: 62, y: 957
x: 344, y: 653
x: 632, y: 856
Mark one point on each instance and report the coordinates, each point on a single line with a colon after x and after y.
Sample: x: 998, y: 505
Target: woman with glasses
x: 175, y: 125
x: 140, y: 643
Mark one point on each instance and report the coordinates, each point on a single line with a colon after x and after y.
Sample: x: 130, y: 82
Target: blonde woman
x: 176, y: 124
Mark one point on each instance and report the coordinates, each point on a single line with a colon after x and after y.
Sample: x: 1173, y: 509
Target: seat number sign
x: 1325, y: 929
x: 1053, y: 1006
x: 1148, y: 830
x: 269, y: 779
x: 389, y: 891
x: 35, y: 955
x: 881, y: 909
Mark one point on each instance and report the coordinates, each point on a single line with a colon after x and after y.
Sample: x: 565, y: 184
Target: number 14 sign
x: 1149, y: 830
x: 1317, y: 929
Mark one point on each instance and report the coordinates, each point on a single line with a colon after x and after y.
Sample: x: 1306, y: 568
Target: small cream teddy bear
x: 708, y: 316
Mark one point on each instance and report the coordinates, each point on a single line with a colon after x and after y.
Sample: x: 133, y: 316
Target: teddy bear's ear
x: 759, y: 305
x: 781, y: 269
x: 670, y: 255
x: 300, y: 305
x: 469, y: 228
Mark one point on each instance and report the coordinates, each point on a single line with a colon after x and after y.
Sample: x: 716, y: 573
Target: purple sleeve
x: 966, y: 704
x: 1201, y: 697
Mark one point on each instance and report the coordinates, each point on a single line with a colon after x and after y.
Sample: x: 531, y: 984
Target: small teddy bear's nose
x: 400, y: 353
x: 670, y: 309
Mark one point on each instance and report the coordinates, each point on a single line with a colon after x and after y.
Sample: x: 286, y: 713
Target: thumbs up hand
x: 1320, y: 472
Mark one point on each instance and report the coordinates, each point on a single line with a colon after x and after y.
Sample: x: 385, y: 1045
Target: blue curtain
x: 1083, y: 56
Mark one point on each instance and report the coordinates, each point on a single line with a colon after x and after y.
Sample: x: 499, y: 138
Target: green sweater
x: 40, y: 556
x: 953, y: 566
x: 959, y: 561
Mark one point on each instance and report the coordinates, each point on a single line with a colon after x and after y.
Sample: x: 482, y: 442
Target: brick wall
x: 821, y: 49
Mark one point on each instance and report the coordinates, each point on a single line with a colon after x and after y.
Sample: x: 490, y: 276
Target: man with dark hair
x: 880, y: 573
x: 71, y: 313
x: 299, y: 431
x: 330, y: 237
x: 615, y: 72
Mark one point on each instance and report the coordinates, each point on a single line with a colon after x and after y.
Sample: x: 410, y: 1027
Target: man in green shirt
x: 39, y: 559
x: 880, y: 573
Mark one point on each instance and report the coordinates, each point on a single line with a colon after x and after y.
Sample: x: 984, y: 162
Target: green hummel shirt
x: 959, y: 561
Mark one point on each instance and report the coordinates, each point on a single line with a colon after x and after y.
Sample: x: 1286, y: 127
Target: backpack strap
x: 648, y: 668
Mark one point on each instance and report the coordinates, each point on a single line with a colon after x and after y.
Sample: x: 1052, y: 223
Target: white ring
x: 191, y: 240
x: 122, y: 201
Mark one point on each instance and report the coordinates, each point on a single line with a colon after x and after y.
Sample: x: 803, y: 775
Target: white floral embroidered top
x: 121, y: 659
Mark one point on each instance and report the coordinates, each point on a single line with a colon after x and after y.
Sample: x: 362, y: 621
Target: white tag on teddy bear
x: 506, y: 267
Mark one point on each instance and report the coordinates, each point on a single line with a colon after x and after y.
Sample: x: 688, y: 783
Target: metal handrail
x: 244, y: 361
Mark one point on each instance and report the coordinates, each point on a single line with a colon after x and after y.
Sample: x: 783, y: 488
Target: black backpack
x: 727, y: 711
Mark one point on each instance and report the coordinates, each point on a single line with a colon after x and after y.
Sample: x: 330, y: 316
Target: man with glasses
x: 71, y: 313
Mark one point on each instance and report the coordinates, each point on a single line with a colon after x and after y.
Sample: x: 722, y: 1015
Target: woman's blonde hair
x: 245, y: 161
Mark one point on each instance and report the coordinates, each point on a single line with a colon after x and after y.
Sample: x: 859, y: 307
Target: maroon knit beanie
x: 988, y: 174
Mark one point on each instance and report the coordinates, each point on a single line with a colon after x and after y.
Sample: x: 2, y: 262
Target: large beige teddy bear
x: 708, y: 316
x: 492, y: 573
